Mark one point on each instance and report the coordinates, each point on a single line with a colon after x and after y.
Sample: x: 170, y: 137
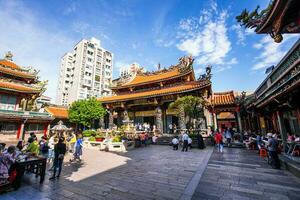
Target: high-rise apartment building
x: 84, y: 72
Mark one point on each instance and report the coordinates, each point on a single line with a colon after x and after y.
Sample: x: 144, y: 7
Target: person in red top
x: 219, y: 141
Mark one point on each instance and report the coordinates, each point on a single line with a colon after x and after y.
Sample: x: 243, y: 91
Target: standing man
x: 59, y: 153
x: 273, y: 147
x: 228, y: 136
x: 219, y: 141
x: 185, y: 139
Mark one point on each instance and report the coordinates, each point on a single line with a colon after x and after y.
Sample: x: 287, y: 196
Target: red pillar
x: 45, y: 129
x: 19, y: 131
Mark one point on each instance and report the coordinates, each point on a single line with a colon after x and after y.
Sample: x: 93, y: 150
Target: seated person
x: 7, y: 158
x: 33, y: 147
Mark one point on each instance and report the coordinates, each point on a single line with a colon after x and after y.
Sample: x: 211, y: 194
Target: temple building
x: 275, y: 105
x: 280, y: 17
x: 19, y: 89
x: 224, y: 109
x: 144, y: 97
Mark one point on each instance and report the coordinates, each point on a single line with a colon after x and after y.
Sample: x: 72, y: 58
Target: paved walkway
x: 240, y: 174
x: 155, y: 172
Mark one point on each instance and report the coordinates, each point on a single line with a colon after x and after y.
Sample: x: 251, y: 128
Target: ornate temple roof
x: 184, y: 67
x: 144, y: 78
x: 10, y: 64
x: 7, y: 66
x: 185, y: 87
x: 17, y: 87
x: 223, y: 98
x: 58, y: 112
x: 281, y: 16
x: 15, y: 72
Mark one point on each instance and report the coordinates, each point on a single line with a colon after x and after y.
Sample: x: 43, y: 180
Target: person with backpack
x: 59, y: 153
x: 44, y: 147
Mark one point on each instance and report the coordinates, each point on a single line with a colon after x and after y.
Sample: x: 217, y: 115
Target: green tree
x: 85, y: 111
x: 192, y: 107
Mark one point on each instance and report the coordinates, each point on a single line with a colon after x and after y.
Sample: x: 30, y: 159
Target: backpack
x: 44, y: 147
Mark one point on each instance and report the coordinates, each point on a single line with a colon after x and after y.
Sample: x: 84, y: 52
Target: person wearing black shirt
x: 59, y: 152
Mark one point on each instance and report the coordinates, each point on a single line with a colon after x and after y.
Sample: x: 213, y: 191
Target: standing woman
x: 78, y: 148
x: 59, y: 153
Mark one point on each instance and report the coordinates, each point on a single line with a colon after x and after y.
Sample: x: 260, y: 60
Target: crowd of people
x: 52, y: 148
x: 186, y: 141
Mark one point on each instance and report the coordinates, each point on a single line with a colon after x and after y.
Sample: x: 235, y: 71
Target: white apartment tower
x: 84, y: 72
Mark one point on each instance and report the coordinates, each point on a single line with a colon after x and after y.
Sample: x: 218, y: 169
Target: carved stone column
x: 110, y: 119
x: 181, y: 118
x: 282, y: 128
x: 239, y: 121
x: 158, y: 119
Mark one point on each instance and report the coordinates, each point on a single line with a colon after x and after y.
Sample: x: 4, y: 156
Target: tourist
x: 33, y: 146
x: 78, y: 148
x: 175, y: 143
x: 200, y: 141
x: 71, y: 140
x: 185, y: 138
x: 258, y: 141
x: 291, y: 137
x: 190, y: 142
x: 219, y: 141
x: 154, y: 138
x: 146, y: 138
x: 20, y: 145
x: 297, y: 138
x: 174, y: 128
x: 51, y: 144
x: 143, y: 138
x: 44, y: 147
x: 59, y: 152
x: 7, y: 158
x: 273, y: 147
x: 32, y: 137
x: 171, y: 128
x: 228, y: 136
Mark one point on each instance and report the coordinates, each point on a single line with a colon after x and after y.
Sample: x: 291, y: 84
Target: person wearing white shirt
x: 175, y: 143
x: 190, y: 142
x: 185, y: 139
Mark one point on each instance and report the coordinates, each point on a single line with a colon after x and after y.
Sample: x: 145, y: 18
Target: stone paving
x: 155, y: 172
x: 241, y: 174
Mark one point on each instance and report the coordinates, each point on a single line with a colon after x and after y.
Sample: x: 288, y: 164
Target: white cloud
x: 32, y: 42
x: 240, y: 32
x: 271, y: 52
x: 206, y: 38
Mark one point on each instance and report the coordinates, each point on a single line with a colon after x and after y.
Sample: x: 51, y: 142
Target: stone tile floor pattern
x: 240, y: 174
x: 155, y: 172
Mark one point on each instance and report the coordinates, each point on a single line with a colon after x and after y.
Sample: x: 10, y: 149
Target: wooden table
x: 35, y: 165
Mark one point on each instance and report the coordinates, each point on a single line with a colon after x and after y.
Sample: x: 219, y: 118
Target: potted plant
x: 99, y: 138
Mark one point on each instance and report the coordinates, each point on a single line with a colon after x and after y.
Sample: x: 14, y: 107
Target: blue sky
x: 147, y: 32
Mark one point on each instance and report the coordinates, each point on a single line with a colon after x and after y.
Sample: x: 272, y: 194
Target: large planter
x: 100, y: 139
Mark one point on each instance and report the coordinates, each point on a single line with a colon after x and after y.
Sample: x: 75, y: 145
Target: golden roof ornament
x: 8, y: 56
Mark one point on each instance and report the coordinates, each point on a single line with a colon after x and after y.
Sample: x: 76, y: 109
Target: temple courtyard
x: 158, y: 172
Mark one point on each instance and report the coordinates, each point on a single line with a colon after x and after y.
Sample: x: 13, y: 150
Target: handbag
x: 61, y: 156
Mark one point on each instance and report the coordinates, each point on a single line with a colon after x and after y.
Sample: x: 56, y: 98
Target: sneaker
x: 52, y: 178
